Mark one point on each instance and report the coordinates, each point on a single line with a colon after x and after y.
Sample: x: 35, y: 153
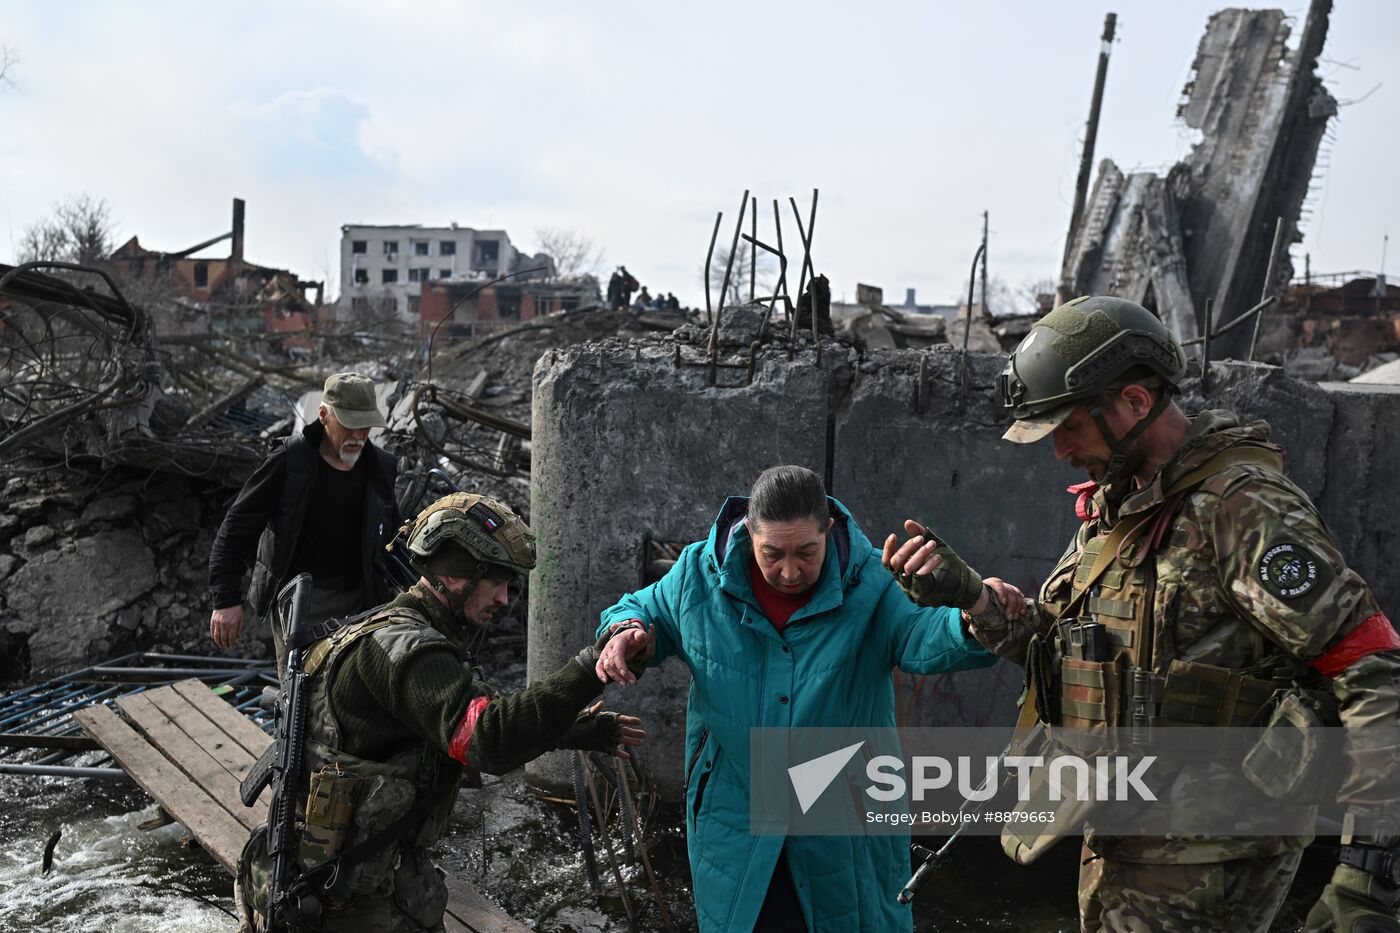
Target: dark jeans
x: 781, y: 911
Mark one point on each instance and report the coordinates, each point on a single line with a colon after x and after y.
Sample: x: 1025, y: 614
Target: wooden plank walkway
x: 189, y: 750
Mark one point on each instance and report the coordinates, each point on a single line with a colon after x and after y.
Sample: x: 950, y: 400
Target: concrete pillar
x: 625, y: 442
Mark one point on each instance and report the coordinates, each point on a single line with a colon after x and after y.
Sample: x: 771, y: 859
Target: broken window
x: 420, y: 247
x: 447, y: 248
x: 359, y: 246
x: 391, y: 248
x: 508, y: 307
x: 359, y: 305
x: 389, y: 276
x: 418, y: 275
x: 388, y: 305
x: 361, y: 276
x: 488, y: 253
x: 201, y: 275
x: 414, y: 304
x: 444, y: 273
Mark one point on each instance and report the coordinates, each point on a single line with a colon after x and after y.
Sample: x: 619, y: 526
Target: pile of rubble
x: 123, y: 452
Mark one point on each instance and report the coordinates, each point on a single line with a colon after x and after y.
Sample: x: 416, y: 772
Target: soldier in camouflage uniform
x: 397, y: 712
x: 1216, y: 584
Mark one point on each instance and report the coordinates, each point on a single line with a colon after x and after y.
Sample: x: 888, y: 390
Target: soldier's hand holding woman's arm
x: 625, y: 652
x: 932, y: 574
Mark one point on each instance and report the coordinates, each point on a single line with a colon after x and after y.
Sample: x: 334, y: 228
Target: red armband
x: 462, y: 737
x: 1374, y: 635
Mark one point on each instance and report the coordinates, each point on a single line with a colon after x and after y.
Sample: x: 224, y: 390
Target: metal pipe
x: 250, y: 662
x: 782, y: 272
x: 62, y: 771
x: 1274, y: 252
x: 1205, y: 352
x: 1242, y: 319
x: 971, y: 287
x: 724, y: 288
x: 986, y: 307
x: 1091, y: 134
x: 714, y: 234
x: 753, y: 250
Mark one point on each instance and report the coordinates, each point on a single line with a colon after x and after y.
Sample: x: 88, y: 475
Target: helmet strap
x: 456, y: 602
x: 1120, y: 449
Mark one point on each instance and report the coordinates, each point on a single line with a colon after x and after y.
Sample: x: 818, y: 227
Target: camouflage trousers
x: 1243, y: 894
x: 380, y: 915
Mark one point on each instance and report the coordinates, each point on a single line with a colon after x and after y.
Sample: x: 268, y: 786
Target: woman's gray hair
x: 787, y: 493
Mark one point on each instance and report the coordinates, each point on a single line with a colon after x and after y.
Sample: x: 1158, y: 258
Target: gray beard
x: 349, y: 459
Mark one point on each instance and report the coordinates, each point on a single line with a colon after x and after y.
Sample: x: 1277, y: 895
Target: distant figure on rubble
x: 620, y: 289
x: 643, y: 302
x: 817, y: 295
x: 399, y: 720
x: 323, y: 504
x: 672, y: 302
x: 784, y: 617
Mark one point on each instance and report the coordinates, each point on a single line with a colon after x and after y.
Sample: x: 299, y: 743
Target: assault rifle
x: 290, y: 906
x: 929, y: 859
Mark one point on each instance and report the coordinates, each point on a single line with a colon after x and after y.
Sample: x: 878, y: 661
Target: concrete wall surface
x: 626, y: 442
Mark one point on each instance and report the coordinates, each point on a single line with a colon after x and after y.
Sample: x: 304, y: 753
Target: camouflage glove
x: 593, y: 731
x: 589, y: 656
x: 1354, y: 902
x: 954, y: 583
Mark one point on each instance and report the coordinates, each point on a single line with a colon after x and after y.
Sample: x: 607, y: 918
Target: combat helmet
x: 1077, y: 352
x: 467, y: 535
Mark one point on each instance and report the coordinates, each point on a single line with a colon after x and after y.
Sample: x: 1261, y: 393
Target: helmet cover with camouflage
x: 1078, y: 351
x: 470, y: 536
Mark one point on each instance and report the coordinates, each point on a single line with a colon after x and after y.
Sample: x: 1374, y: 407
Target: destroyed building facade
x: 383, y: 266
x: 1206, y: 230
x: 189, y: 293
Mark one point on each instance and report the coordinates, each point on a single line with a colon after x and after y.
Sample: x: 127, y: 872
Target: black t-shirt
x: 330, y: 544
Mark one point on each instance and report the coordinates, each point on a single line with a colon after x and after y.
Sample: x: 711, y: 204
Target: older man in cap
x: 321, y: 503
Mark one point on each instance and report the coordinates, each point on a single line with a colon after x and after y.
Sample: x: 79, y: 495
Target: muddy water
x: 111, y: 877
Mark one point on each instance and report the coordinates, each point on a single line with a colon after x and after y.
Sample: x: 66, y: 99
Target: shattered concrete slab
x: 1205, y: 230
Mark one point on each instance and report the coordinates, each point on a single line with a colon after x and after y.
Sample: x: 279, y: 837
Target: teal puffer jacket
x: 831, y: 666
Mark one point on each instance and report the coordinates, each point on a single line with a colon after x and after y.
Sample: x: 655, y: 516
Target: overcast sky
x: 634, y: 122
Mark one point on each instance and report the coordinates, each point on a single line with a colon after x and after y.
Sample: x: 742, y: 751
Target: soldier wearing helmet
x: 398, y: 713
x: 1213, y: 593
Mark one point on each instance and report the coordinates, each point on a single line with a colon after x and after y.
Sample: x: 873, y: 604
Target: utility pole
x: 1086, y: 160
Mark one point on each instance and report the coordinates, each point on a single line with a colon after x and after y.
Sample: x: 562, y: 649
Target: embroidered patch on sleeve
x: 1289, y: 570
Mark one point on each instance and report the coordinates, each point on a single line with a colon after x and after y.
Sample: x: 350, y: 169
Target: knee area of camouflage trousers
x: 1132, y: 897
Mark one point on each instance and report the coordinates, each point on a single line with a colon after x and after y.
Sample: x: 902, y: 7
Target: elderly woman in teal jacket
x: 786, y: 618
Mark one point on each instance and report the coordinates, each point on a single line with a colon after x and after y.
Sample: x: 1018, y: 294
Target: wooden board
x: 475, y: 913
x: 186, y: 753
x: 189, y: 749
x: 210, y: 824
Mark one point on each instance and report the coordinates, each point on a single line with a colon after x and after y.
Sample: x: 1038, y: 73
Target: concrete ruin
x: 634, y: 444
x: 1205, y: 231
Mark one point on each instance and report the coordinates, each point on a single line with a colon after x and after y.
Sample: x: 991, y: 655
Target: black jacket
x: 266, y: 519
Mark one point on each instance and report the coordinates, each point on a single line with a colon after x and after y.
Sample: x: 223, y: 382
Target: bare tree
x: 766, y: 277
x: 80, y: 230
x: 572, y: 252
x: 8, y: 60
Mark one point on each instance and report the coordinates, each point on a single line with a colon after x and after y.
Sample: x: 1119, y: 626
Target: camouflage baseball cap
x: 350, y: 397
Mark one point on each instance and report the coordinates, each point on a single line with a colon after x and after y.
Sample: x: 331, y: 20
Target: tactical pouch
x: 1288, y: 760
x: 1198, y: 694
x: 1090, y: 700
x: 330, y: 808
